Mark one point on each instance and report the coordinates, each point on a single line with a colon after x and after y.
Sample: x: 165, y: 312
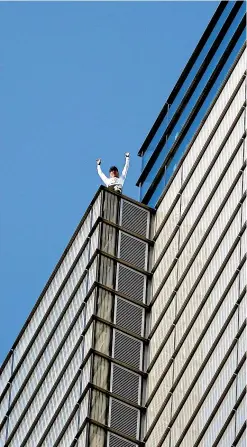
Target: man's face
x: 114, y: 173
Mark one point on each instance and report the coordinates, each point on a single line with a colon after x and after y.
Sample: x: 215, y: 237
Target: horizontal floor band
x: 205, y: 146
x: 121, y: 295
x: 49, y: 396
x: 120, y: 363
x: 49, y: 310
x: 205, y: 205
x: 194, y: 382
x: 198, y: 279
x: 120, y: 328
x: 66, y: 424
x: 231, y: 415
x: 195, y: 378
x: 239, y: 435
x: 127, y: 231
x: 200, y: 338
x: 116, y: 432
x: 121, y: 261
x: 117, y: 397
x: 237, y: 148
x: 54, y: 273
x: 47, y: 343
x: 216, y: 408
x: 203, y: 332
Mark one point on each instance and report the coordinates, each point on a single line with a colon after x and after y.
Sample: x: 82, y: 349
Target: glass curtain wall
x: 177, y: 139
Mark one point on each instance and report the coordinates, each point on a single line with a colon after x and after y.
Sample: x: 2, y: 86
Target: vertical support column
x: 117, y: 366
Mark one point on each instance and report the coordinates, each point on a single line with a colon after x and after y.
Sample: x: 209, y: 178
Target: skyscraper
x: 139, y: 336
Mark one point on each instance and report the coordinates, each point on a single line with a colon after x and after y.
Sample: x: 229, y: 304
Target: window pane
x: 203, y: 82
x: 173, y: 107
x: 196, y: 122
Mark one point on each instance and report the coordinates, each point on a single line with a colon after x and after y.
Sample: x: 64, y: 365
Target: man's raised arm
x: 126, y: 166
x: 101, y: 174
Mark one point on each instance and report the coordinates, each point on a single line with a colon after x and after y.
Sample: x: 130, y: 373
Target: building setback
x: 139, y: 337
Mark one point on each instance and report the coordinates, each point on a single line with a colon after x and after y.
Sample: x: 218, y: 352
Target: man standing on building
x: 114, y: 182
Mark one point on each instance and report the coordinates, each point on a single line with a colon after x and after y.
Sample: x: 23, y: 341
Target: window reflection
x: 192, y: 102
x: 173, y: 107
x: 171, y: 166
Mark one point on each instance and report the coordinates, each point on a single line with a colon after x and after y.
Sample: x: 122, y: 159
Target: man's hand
x: 98, y: 161
x: 127, y: 154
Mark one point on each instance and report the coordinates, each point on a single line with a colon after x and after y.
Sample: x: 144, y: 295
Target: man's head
x: 113, y: 171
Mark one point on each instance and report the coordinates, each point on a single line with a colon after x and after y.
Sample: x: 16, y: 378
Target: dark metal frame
x: 190, y: 92
x: 195, y: 379
x: 184, y: 74
x: 204, y: 148
x: 187, y: 299
x: 178, y: 254
x: 191, y: 118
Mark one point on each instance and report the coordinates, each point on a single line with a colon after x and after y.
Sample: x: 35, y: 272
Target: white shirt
x: 115, y: 181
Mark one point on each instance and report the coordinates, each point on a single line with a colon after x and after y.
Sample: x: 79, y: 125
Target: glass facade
x: 191, y: 103
x: 139, y: 335
x: 79, y: 348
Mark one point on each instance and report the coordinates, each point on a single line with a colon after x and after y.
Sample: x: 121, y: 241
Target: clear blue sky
x: 77, y: 81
